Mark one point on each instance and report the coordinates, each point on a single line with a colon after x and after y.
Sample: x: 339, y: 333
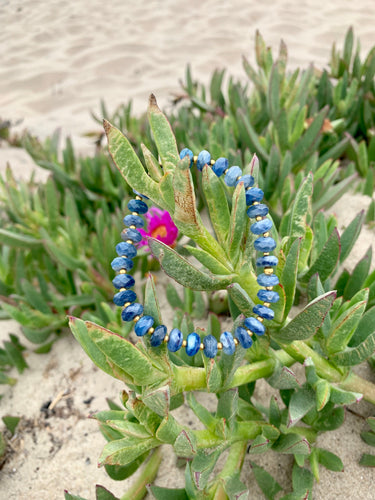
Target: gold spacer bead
x: 212, y: 162
x: 132, y: 226
x: 122, y: 289
x: 137, y: 318
x: 266, y: 253
x: 266, y: 234
x: 130, y: 241
x: 138, y: 197
x: 255, y: 202
x: 248, y: 189
x: 219, y: 346
x: 195, y: 159
x: 225, y: 171
x: 127, y: 304
x: 238, y: 178
x: 266, y: 304
x: 166, y: 338
x: 258, y: 218
x: 259, y: 318
x: 124, y: 256
x: 201, y: 347
x: 135, y: 213
x: 122, y: 271
x: 236, y: 341
x: 268, y: 270
x: 269, y: 288
x: 250, y: 333
x: 151, y: 330
x: 184, y: 343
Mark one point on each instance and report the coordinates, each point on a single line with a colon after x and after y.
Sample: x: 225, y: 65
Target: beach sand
x: 57, y: 60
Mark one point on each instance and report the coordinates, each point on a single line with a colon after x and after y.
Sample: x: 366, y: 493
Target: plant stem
x: 148, y: 474
x: 355, y: 383
x: 248, y: 373
x: 232, y: 465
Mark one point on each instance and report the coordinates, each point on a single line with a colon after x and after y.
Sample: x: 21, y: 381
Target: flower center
x: 159, y: 231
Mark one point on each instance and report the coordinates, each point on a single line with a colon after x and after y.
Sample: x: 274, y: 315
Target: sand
x: 57, y: 60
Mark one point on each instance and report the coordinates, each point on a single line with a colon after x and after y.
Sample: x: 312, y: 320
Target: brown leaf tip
x: 107, y: 126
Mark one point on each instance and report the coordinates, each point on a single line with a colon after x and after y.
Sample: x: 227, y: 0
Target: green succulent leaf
x: 301, y: 402
x: 367, y: 460
x: 266, y: 482
x: 327, y: 259
x: 292, y: 443
x: 124, y: 451
x: 160, y: 493
x: 104, y: 494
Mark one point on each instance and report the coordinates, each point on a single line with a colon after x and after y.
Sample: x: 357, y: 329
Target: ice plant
x: 159, y: 226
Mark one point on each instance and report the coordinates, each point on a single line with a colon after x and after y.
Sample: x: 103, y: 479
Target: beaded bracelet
x: 126, y: 251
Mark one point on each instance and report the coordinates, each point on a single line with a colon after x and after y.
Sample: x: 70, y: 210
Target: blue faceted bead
x: 248, y: 180
x: 230, y: 178
x: 122, y: 263
x: 220, y: 165
x: 193, y: 344
x: 254, y: 194
x: 158, y: 336
x: 143, y: 325
x: 127, y: 249
x: 138, y: 206
x: 123, y: 281
x: 267, y: 280
x: 210, y: 346
x: 263, y: 312
x: 204, y: 158
x: 175, y: 340
x: 130, y: 312
x: 140, y: 194
x: 133, y: 220
x: 131, y: 234
x: 268, y: 296
x: 226, y: 338
x: 257, y: 211
x: 187, y: 152
x: 267, y: 261
x: 121, y: 298
x: 261, y: 226
x: 254, y: 325
x: 243, y: 337
x: 265, y: 244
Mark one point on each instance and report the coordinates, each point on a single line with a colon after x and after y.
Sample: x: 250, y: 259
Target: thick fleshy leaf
x: 158, y: 400
x: 260, y: 445
x: 163, y: 135
x: 368, y: 437
x: 69, y: 496
x: 350, y: 235
x: 126, y: 450
x: 238, y: 221
x: 289, y: 275
x: 183, y: 271
x: 129, y: 165
x: 207, y: 260
x: 358, y: 276
x: 160, y: 493
x: 301, y: 402
x: 203, y: 464
x: 308, y: 321
x: 367, y: 460
x: 104, y: 494
x: 300, y: 209
x: 151, y: 305
x: 241, y: 298
x: 235, y: 489
x: 152, y: 165
x: 309, y: 142
x: 365, y: 328
x: 216, y: 203
x: 292, y: 443
x: 341, y: 397
x: 302, y: 481
x: 327, y: 259
x: 283, y: 378
x: 185, y: 444
x: 266, y: 482
x: 168, y: 430
x: 323, y: 393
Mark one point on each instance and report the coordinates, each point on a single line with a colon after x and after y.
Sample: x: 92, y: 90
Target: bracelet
x: 126, y: 251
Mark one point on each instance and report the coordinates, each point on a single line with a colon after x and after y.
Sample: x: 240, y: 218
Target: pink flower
x: 159, y: 226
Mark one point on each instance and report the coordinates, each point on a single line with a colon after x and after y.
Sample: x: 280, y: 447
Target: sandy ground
x: 57, y: 60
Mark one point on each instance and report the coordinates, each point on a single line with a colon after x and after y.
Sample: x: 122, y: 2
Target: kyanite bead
x: 123, y: 281
x: 125, y: 296
x: 138, y: 206
x: 130, y: 312
x: 248, y: 180
x: 210, y: 346
x: 268, y: 296
x: 254, y: 194
x: 220, y: 165
x: 175, y: 340
x: 131, y: 234
x: 122, y: 263
x: 204, y: 158
x: 257, y: 211
x: 140, y: 194
x: 158, y: 336
x: 187, y: 152
x: 254, y: 325
x: 193, y: 344
x: 267, y: 261
x: 226, y: 338
x: 143, y: 324
x: 230, y: 178
x: 243, y: 337
x: 261, y: 226
x: 124, y: 248
x: 263, y: 312
x: 265, y: 244
x: 267, y: 280
x: 133, y: 220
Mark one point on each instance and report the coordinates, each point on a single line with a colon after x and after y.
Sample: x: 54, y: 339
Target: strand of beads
x: 126, y: 251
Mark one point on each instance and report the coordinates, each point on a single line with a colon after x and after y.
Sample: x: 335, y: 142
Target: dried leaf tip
x: 107, y: 126
x: 152, y: 101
